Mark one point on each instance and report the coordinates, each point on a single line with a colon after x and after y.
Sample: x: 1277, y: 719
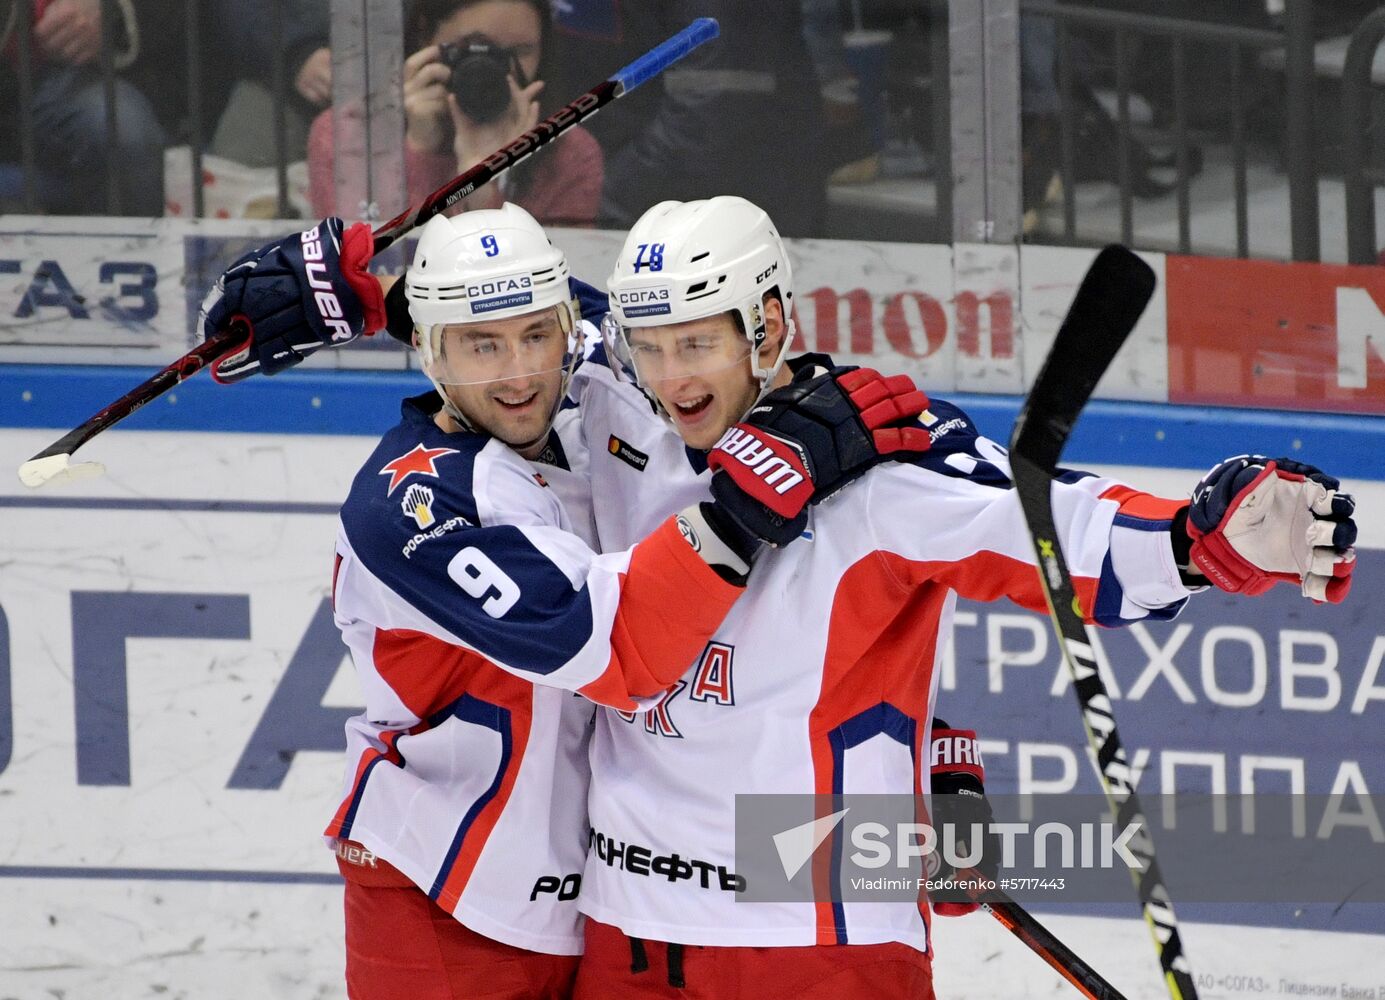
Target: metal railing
x: 1360, y: 175
x: 23, y: 27
x: 1239, y: 44
x: 1296, y: 38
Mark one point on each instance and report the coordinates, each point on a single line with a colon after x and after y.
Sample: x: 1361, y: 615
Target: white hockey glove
x: 1256, y: 521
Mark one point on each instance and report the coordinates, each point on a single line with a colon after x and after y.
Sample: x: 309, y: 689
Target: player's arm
x: 534, y: 600
x: 955, y: 517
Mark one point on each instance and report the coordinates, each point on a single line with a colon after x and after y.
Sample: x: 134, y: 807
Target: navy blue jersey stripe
x: 1140, y: 523
x: 882, y: 718
x: 591, y: 301
x: 469, y: 708
x: 349, y: 819
x: 490, y: 587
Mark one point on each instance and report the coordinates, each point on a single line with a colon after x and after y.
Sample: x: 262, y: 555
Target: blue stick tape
x: 665, y: 54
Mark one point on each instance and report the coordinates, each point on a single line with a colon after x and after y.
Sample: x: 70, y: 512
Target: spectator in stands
x: 741, y: 116
x: 450, y: 126
x: 1096, y: 133
x: 69, y: 109
x: 245, y: 131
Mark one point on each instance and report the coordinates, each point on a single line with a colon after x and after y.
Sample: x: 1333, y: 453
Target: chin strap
x: 767, y: 375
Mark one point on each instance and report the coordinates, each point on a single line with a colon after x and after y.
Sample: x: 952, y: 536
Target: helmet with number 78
x: 688, y: 260
x: 478, y: 268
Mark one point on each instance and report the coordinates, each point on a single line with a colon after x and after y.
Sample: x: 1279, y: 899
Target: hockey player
x: 823, y: 675
x: 820, y: 679
x: 462, y: 581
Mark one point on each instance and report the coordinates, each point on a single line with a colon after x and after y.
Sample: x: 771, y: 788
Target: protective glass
x: 500, y: 350
x: 653, y: 354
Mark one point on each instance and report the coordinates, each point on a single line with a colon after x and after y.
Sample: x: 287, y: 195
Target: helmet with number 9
x: 688, y: 260
x: 471, y: 275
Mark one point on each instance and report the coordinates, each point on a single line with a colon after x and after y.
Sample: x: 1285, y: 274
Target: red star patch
x: 418, y: 462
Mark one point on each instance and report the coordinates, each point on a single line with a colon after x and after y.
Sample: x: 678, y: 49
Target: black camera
x: 479, y: 68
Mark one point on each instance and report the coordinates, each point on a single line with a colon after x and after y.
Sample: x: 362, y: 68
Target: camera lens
x: 479, y: 71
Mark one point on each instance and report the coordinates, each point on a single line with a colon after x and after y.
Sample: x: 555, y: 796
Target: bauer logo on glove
x: 291, y: 297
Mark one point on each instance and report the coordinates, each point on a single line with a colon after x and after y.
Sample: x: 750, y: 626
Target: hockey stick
x: 54, y: 464
x: 1038, y: 938
x: 1047, y: 946
x: 1108, y: 303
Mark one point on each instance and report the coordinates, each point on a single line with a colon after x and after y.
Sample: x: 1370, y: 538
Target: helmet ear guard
x: 759, y: 331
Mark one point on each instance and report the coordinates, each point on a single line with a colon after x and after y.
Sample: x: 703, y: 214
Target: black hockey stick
x: 1047, y: 946
x: 1107, y: 305
x: 54, y: 464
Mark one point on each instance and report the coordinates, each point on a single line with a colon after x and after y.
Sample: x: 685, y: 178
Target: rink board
x: 172, y: 692
x: 969, y: 318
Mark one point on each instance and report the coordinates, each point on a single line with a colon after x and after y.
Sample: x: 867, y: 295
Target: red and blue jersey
x: 822, y: 678
x: 477, y: 615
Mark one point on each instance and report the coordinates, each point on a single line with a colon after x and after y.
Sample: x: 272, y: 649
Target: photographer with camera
x: 473, y: 83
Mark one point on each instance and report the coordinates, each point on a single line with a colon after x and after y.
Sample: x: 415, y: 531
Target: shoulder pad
x: 959, y: 450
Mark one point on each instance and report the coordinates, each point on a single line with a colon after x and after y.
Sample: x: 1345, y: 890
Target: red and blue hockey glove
x: 805, y: 441
x: 960, y: 813
x: 294, y: 296
x: 1255, y: 522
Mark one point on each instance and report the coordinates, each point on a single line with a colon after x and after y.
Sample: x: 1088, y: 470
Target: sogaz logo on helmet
x: 504, y: 292
x: 645, y: 301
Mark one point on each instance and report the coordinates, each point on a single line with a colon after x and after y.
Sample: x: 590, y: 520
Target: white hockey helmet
x: 490, y: 264
x: 687, y: 260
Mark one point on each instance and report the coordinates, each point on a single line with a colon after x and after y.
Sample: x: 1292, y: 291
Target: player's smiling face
x: 700, y: 372
x: 506, y: 374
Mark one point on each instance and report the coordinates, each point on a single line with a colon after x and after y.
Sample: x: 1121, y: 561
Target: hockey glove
x: 293, y: 296
x: 805, y: 441
x: 722, y: 543
x: 960, y: 814
x: 1256, y: 521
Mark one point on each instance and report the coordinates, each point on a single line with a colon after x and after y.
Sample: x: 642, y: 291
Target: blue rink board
x: 348, y: 402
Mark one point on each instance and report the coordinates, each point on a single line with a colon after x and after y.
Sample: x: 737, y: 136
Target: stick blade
x: 56, y: 469
x: 1108, y: 304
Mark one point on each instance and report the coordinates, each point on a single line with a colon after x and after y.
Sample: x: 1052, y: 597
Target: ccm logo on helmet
x: 763, y: 275
x: 328, y: 305
x: 750, y: 451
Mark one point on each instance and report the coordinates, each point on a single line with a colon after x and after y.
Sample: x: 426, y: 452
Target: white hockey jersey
x: 473, y: 613
x: 821, y: 679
